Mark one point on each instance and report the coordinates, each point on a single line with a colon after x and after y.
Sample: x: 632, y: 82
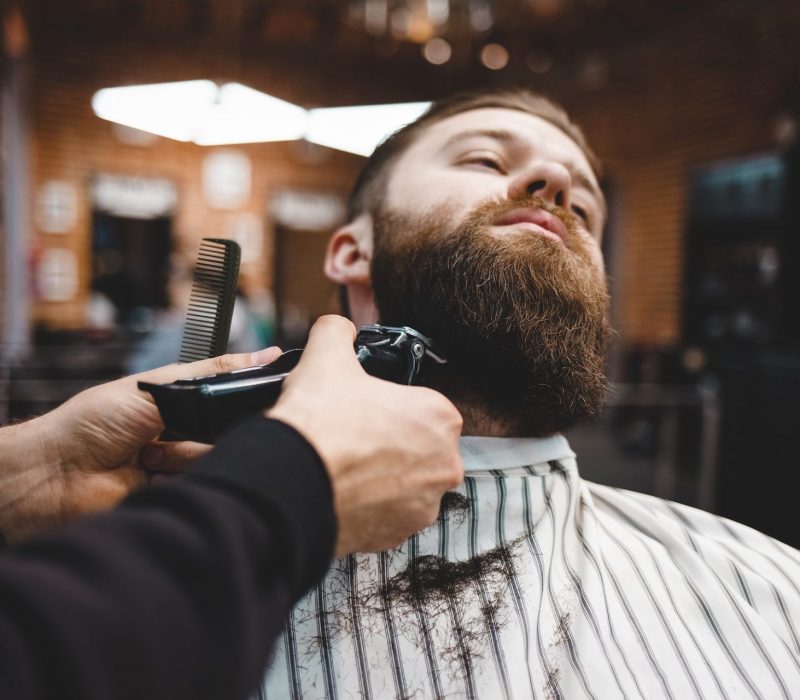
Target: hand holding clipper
x: 203, y: 408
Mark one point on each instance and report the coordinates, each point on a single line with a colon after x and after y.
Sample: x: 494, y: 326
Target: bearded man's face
x: 498, y: 263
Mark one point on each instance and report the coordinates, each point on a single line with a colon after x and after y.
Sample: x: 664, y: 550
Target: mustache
x: 488, y: 210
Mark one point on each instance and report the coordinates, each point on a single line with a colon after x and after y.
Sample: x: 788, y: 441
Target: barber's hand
x: 84, y: 455
x: 391, y: 450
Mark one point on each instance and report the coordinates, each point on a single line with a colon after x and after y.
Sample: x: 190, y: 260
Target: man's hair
x: 371, y: 182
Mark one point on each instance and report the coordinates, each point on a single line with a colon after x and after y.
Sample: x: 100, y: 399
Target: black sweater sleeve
x: 181, y: 591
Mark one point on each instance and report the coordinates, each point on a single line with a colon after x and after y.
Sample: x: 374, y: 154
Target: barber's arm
x: 181, y: 590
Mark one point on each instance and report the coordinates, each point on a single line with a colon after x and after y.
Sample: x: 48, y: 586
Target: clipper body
x: 203, y: 408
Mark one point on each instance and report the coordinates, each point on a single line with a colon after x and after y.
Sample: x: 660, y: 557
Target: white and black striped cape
x: 547, y: 586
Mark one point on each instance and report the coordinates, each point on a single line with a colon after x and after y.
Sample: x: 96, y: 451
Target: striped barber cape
x: 536, y: 584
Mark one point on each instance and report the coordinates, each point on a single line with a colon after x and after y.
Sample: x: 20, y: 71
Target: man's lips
x: 536, y: 220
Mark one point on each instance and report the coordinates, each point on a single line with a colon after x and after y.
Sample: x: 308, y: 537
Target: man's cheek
x: 599, y: 265
x: 430, y: 195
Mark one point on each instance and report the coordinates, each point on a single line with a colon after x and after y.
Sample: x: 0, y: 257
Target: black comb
x: 208, y: 319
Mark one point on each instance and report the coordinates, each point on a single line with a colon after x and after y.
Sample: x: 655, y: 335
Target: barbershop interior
x: 134, y: 129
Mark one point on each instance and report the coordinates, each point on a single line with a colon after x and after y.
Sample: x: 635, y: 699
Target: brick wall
x: 72, y: 144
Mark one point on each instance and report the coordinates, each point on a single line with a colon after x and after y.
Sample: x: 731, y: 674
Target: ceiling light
x: 400, y: 23
x: 539, y: 62
x: 202, y: 112
x: 208, y: 114
x: 360, y: 129
x: 494, y: 56
x: 480, y: 15
x: 375, y: 16
x: 438, y: 11
x: 437, y: 51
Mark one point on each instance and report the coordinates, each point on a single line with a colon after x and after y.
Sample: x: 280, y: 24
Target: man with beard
x: 479, y: 225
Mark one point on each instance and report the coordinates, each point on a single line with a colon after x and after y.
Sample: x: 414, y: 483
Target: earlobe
x: 348, y: 256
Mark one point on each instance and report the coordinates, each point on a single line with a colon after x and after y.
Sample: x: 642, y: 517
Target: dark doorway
x: 130, y: 263
x: 302, y: 292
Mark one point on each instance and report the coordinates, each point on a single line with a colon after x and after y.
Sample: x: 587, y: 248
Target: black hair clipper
x: 203, y: 408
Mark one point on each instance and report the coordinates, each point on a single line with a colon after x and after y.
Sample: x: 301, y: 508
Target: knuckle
x: 455, y: 475
x: 430, y: 515
x: 447, y: 411
x: 224, y: 363
x: 392, y: 541
x: 437, y: 404
x: 335, y: 321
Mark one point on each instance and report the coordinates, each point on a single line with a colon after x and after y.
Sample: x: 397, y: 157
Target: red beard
x: 522, y: 319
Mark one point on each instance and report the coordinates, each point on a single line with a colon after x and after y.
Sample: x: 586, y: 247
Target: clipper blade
x: 208, y: 318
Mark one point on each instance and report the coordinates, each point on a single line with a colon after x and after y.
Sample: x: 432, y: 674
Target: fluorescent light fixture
x: 202, y: 112
x: 360, y: 129
x: 209, y: 114
x: 244, y: 115
x: 160, y: 108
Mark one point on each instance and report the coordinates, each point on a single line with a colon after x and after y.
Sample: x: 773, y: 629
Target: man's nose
x: 550, y: 181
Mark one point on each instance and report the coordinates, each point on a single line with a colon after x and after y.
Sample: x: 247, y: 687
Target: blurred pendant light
x: 538, y: 61
x: 494, y: 56
x: 400, y: 23
x: 411, y: 20
x: 376, y: 14
x: 421, y: 28
x: 437, y: 51
x: 438, y: 12
x: 480, y: 15
x: 437, y: 25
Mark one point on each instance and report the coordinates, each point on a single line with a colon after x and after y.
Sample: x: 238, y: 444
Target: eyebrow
x: 580, y: 177
x: 497, y: 134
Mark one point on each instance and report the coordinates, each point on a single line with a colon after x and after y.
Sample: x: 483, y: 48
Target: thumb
x: 330, y: 344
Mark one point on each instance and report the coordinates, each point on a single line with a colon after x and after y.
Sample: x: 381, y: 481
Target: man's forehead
x: 523, y: 127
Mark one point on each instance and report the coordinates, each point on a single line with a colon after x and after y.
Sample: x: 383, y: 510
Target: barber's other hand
x: 391, y: 451
x: 84, y: 455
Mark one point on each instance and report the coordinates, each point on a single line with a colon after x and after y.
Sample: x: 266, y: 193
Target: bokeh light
x: 437, y: 51
x: 494, y: 56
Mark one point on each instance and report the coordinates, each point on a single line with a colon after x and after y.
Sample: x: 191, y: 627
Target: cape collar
x: 485, y: 453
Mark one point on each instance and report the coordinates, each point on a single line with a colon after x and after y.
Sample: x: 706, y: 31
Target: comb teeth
x: 208, y: 319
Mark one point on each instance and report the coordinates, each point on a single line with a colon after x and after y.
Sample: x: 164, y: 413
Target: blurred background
x: 692, y: 105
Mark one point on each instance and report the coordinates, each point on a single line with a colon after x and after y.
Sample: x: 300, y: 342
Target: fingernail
x: 152, y: 456
x: 265, y: 356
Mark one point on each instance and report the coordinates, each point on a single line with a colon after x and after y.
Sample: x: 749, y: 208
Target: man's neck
x: 478, y: 421
x: 480, y: 418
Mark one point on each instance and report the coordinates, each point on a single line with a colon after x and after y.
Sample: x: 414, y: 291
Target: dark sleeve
x: 182, y: 590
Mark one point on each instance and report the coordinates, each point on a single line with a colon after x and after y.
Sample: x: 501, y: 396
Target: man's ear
x: 349, y: 252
